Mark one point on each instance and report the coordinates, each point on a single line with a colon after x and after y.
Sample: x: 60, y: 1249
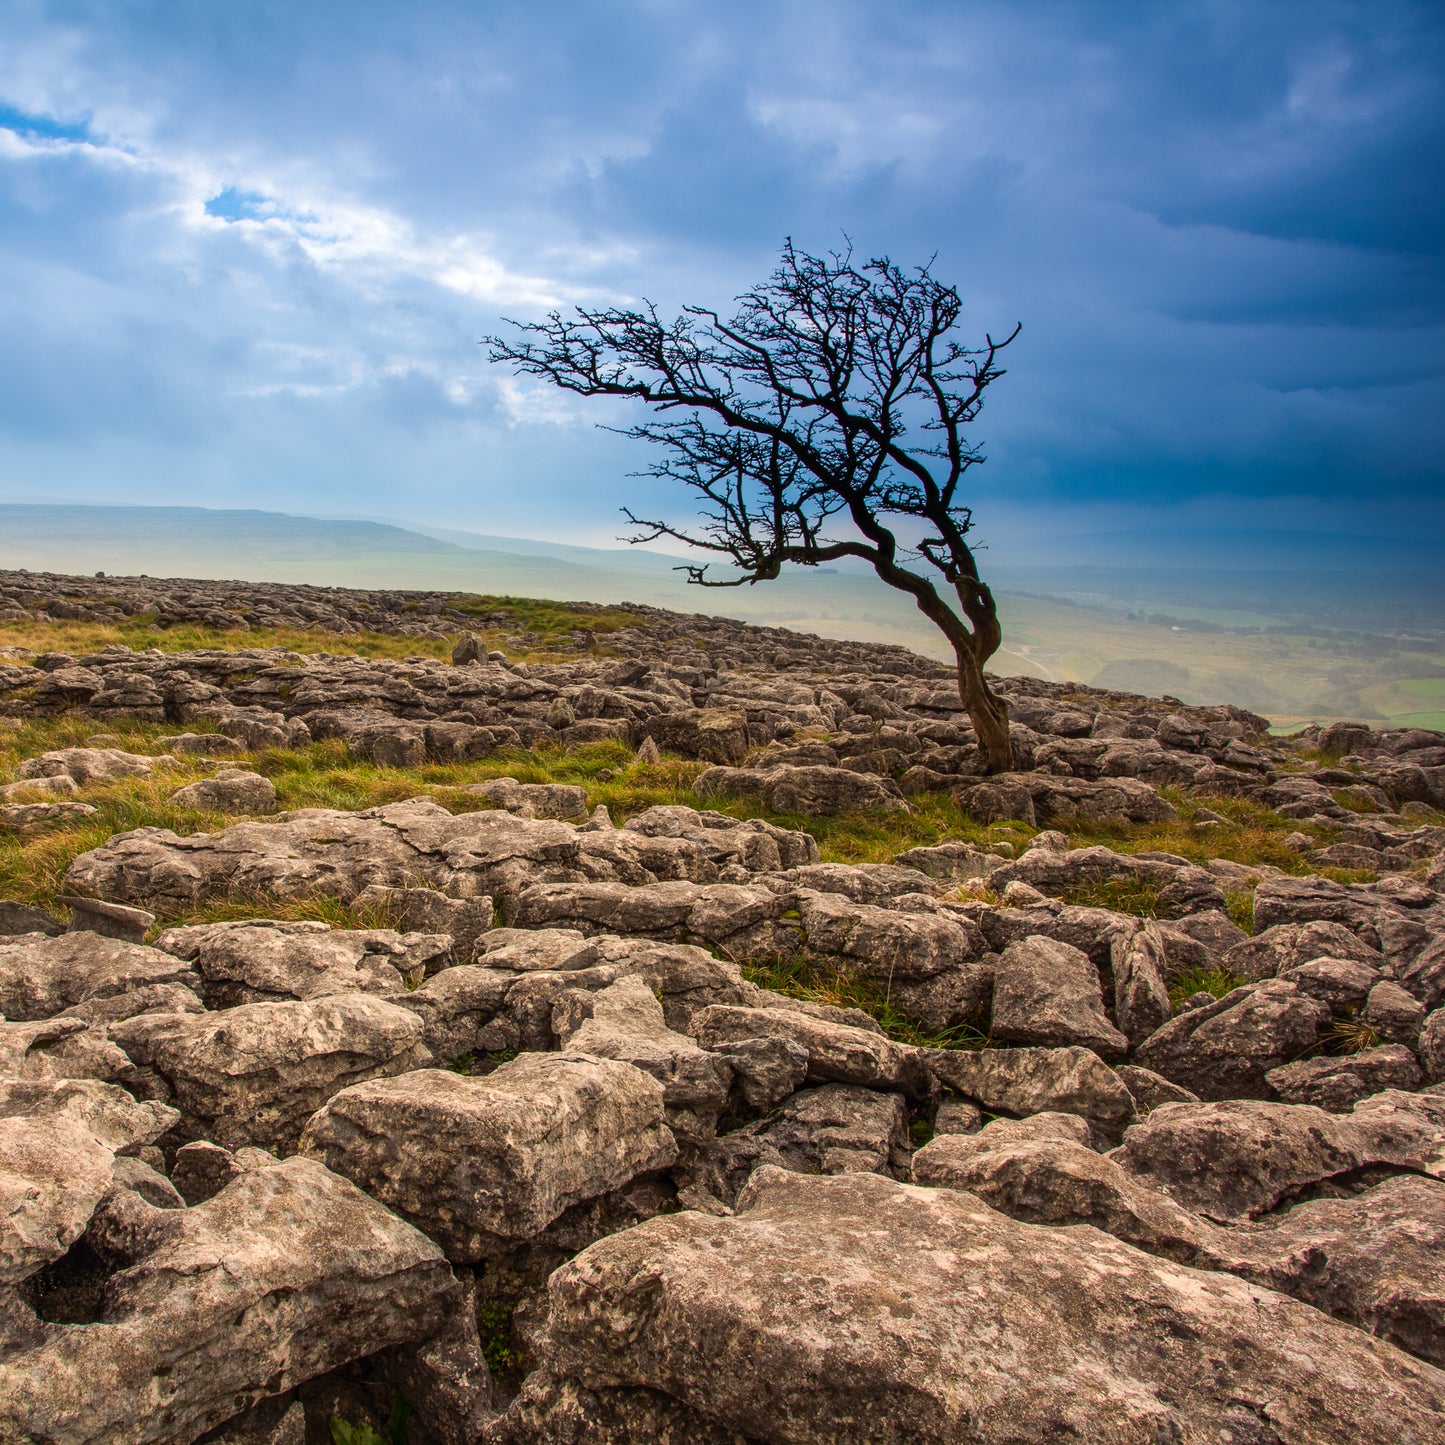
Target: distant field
x: 1327, y: 646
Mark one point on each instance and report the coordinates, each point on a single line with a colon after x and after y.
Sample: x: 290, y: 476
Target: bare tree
x: 820, y: 422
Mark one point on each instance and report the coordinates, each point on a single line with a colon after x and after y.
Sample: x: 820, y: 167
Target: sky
x: 247, y: 251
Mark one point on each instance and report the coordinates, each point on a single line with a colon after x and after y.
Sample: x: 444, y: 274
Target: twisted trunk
x: 987, y: 711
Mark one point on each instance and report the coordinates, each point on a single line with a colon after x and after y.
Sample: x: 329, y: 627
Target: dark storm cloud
x: 251, y: 248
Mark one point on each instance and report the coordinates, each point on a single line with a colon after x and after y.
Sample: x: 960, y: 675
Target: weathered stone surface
x: 941, y: 1161
x: 1225, y: 1049
x: 1141, y: 965
x: 1338, y: 1084
x: 765, y: 1070
x: 836, y: 1053
x: 481, y: 1163
x: 318, y: 850
x: 1393, y: 1013
x: 1048, y: 993
x: 1241, y: 1157
x: 1150, y: 1089
x: 110, y: 920
x: 58, y: 1142
x: 88, y: 766
x: 1033, y: 1081
x: 41, y: 976
x: 811, y: 791
x: 1287, y: 945
x: 751, y: 843
x: 911, y: 1291
x: 1374, y: 1259
x: 255, y: 1074
x: 1432, y: 1047
x: 264, y: 960
x: 534, y: 800
x: 232, y: 790
x: 712, y: 735
x: 950, y: 862
x: 26, y: 918
x: 624, y: 1021
x: 285, y: 1274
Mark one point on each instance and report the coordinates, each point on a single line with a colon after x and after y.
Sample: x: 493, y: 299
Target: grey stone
x: 1338, y: 1084
x: 232, y: 790
x: 908, y: 1292
x: 1021, y: 1082
x: 480, y: 1164
x: 1048, y: 993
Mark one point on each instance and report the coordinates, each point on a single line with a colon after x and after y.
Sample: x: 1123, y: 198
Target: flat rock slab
x: 1021, y: 1082
x: 1240, y: 1158
x: 323, y: 851
x: 41, y: 976
x: 257, y: 960
x: 254, y: 1074
x: 930, y: 1317
x: 286, y: 1273
x: 479, y: 1164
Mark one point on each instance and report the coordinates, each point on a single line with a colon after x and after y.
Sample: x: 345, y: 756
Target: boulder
x: 58, y: 1144
x: 232, y: 790
x: 41, y: 976
x: 1288, y: 945
x: 534, y: 800
x: 1239, y: 1158
x: 481, y: 1163
x: 1141, y: 998
x: 712, y: 735
x: 836, y: 1053
x: 320, y: 850
x: 1048, y: 993
x: 268, y: 960
x: 810, y: 791
x: 625, y: 1021
x: 1021, y: 1082
x: 1338, y: 1084
x: 254, y: 1074
x: 287, y: 1273
x: 909, y: 1293
x: 1224, y: 1049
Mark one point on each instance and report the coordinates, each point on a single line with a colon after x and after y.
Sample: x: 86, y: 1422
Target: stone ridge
x: 544, y: 1162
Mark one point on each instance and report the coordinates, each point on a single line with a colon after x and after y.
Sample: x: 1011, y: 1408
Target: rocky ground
x: 489, y: 1113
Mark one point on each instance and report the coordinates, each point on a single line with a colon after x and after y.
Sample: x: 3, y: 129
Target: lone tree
x: 824, y: 420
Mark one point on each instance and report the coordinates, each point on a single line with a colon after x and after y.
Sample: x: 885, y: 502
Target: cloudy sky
x: 247, y: 249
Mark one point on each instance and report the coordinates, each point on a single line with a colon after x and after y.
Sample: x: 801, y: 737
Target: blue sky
x: 247, y: 250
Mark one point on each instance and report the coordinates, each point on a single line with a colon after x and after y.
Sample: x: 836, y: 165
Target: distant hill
x: 1310, y: 641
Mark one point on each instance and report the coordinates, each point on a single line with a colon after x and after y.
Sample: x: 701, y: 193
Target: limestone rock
x: 41, y: 976
x: 1048, y: 993
x: 285, y: 1274
x: 1241, y: 1157
x: 265, y: 960
x: 836, y: 1053
x: 910, y: 1291
x: 625, y: 1021
x: 811, y: 791
x: 232, y: 790
x: 1338, y: 1084
x: 1021, y: 1082
x: 254, y: 1074
x: 1225, y: 1049
x: 481, y: 1163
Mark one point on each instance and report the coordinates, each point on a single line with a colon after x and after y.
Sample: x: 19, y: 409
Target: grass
x: 325, y: 775
x: 1211, y: 980
x: 801, y: 977
x: 520, y: 627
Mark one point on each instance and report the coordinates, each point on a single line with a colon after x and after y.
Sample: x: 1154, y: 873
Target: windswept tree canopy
x: 826, y: 419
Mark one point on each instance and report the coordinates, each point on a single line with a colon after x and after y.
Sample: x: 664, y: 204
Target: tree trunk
x: 987, y: 711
